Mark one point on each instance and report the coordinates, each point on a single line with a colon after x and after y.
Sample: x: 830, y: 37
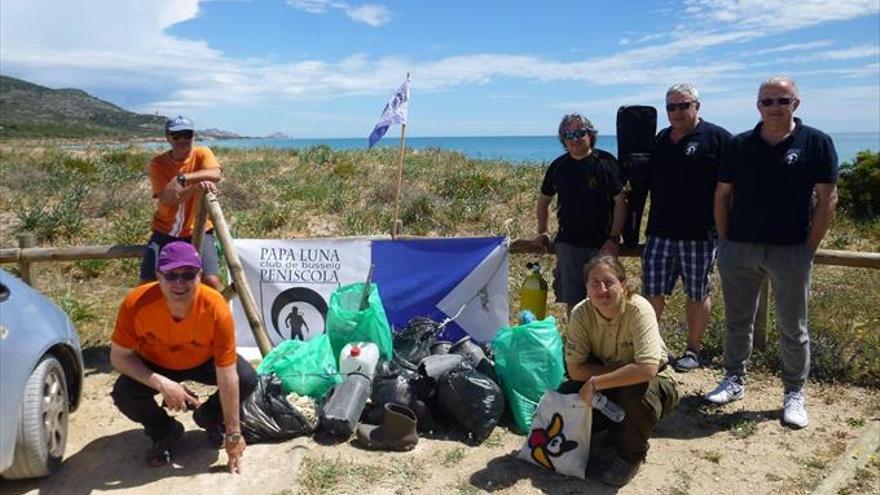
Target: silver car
x: 41, y: 378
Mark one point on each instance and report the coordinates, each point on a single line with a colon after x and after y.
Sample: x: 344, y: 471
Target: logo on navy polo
x: 791, y: 156
x: 691, y: 148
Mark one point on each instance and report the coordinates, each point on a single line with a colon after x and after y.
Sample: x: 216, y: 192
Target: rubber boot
x: 397, y: 431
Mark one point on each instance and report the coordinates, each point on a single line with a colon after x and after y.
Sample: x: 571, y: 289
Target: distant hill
x: 30, y: 110
x: 217, y: 134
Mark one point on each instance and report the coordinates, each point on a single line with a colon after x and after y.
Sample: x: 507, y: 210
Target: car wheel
x: 42, y: 434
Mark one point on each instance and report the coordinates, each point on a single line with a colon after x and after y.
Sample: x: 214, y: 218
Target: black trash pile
x: 442, y: 385
x: 445, y: 384
x: 267, y: 415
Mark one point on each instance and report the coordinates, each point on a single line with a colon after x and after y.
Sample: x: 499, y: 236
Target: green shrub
x: 859, y: 187
x: 60, y: 215
x: 417, y: 214
x: 344, y: 168
x: 81, y: 165
x: 79, y: 311
x: 317, y: 155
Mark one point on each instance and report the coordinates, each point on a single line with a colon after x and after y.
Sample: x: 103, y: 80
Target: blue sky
x: 325, y: 68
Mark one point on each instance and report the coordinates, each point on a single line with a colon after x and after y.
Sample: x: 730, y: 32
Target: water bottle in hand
x: 610, y: 409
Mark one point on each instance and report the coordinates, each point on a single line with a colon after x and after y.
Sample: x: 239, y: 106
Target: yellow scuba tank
x: 533, y: 293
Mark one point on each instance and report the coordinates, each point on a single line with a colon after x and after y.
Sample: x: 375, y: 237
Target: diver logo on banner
x: 294, y: 309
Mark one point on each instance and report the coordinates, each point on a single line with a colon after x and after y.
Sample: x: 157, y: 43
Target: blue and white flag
x: 394, y: 113
x: 462, y: 278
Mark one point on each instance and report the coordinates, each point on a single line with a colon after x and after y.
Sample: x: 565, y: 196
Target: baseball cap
x: 179, y: 123
x: 178, y: 254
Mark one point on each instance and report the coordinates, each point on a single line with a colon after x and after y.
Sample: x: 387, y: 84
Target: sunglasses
x: 575, y: 134
x: 671, y: 107
x: 768, y: 102
x: 188, y: 276
x: 181, y: 135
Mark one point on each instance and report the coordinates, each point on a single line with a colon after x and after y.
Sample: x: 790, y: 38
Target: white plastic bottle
x: 359, y: 357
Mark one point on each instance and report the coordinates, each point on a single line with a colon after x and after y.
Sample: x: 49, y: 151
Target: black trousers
x: 137, y: 401
x: 644, y: 404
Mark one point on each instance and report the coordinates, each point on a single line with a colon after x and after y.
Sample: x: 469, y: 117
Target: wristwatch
x: 232, y: 438
x: 181, y: 179
x: 615, y: 238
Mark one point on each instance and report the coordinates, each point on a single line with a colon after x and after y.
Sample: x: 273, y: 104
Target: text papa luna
x: 302, y: 254
x: 309, y: 276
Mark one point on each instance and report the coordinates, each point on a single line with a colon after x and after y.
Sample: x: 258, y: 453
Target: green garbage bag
x: 304, y: 367
x: 528, y: 362
x: 347, y: 322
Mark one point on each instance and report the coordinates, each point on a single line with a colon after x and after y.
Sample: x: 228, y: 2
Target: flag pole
x: 396, y: 223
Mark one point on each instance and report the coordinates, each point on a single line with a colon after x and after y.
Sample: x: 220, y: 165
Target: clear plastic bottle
x: 610, y: 409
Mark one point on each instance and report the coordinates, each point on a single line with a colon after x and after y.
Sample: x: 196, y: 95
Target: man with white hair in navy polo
x: 774, y: 202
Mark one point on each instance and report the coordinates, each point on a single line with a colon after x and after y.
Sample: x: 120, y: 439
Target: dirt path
x: 738, y: 449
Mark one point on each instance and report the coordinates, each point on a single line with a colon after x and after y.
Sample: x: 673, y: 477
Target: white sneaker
x: 794, y: 410
x: 730, y: 389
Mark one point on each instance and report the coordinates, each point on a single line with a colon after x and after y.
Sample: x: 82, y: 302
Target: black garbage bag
x: 413, y: 343
x: 472, y: 400
x: 267, y: 416
x: 396, y: 382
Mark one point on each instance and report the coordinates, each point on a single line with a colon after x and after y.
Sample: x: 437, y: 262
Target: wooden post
x: 199, y: 227
x: 241, y: 285
x: 25, y: 241
x: 394, y: 226
x: 762, y: 316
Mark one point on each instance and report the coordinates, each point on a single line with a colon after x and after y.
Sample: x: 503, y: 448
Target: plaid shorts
x: 666, y: 260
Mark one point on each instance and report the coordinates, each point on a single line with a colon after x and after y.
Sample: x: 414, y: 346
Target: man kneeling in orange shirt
x: 173, y: 330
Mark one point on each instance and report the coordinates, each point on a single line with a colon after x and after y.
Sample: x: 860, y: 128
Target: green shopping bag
x: 305, y: 367
x: 528, y: 362
x: 347, y: 322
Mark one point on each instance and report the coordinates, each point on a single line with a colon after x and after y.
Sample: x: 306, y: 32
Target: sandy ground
x: 737, y: 449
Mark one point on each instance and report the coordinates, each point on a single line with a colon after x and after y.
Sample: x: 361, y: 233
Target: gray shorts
x: 568, y: 281
x: 208, y: 254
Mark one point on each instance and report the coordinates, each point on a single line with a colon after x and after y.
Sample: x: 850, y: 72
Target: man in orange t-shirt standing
x: 178, y: 178
x: 174, y: 330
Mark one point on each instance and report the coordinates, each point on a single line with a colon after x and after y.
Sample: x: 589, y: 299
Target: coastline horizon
x: 517, y: 149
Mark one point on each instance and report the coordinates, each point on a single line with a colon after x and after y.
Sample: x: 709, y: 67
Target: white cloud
x: 795, y: 47
x: 778, y: 15
x: 869, y: 70
x: 373, y: 15
x: 854, y: 52
x: 851, y: 53
x: 310, y: 6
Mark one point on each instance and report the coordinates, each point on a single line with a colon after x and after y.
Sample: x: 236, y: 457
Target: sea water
x: 516, y: 149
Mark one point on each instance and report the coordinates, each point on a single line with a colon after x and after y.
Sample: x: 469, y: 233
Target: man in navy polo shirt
x: 590, y: 208
x: 681, y: 234
x: 770, y: 225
